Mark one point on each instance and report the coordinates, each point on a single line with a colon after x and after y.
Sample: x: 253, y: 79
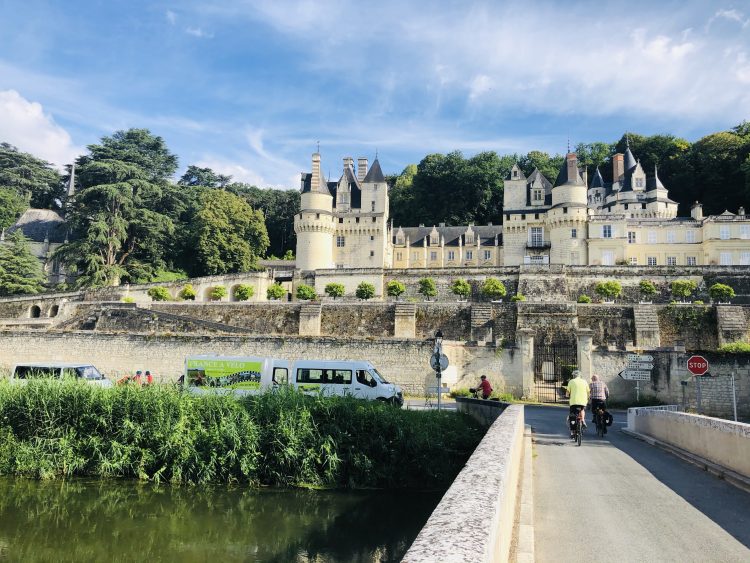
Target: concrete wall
x: 720, y: 441
x: 474, y: 524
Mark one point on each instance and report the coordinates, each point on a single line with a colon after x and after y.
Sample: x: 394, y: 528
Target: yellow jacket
x: 578, y: 390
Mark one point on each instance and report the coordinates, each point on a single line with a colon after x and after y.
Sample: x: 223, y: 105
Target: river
x: 96, y: 520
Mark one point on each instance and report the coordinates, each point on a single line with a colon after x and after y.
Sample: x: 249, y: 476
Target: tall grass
x: 54, y: 429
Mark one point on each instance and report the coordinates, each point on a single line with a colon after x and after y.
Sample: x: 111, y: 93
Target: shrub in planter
x: 461, y: 288
x: 683, y: 288
x: 493, y: 288
x: 427, y: 287
x: 218, y: 293
x: 518, y: 297
x: 128, y: 300
x: 159, y: 294
x: 275, y: 292
x: 721, y: 292
x: 334, y: 290
x: 243, y: 292
x: 305, y: 292
x: 187, y: 293
x: 584, y: 299
x: 395, y: 288
x: 365, y: 290
x: 648, y: 288
x: 608, y: 290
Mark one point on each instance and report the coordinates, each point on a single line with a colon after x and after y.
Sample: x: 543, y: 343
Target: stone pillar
x: 405, y: 321
x: 585, y: 349
x: 525, y: 338
x: 309, y: 319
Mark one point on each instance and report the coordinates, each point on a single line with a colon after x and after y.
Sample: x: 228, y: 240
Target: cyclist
x: 599, y: 395
x: 578, y: 391
x: 485, y: 387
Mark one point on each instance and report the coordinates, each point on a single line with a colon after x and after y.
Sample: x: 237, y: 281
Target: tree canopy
x: 20, y: 271
x: 32, y: 179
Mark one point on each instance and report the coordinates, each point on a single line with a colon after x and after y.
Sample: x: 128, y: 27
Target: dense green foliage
x: 683, y: 288
x: 20, y: 271
x: 279, y: 208
x: 461, y: 287
x: 243, y: 292
x: 159, y: 293
x: 493, y: 288
x: 735, y: 348
x: 584, y: 299
x: 218, y: 292
x: 334, y: 290
x: 60, y: 429
x: 365, y: 290
x: 518, y: 297
x: 647, y: 287
x: 721, y: 292
x: 11, y: 207
x: 427, y: 287
x: 305, y: 292
x: 187, y: 293
x: 30, y: 177
x: 394, y: 288
x: 275, y: 291
x: 609, y: 289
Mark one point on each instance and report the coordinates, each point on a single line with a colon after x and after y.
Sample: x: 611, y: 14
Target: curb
x: 525, y: 549
x: 731, y: 477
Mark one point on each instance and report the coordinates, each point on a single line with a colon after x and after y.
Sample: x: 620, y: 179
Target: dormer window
x: 515, y: 173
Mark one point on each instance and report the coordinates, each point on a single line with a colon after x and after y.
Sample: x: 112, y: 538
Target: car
x: 59, y: 370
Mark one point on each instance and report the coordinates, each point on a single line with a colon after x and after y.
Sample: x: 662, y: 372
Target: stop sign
x: 697, y: 365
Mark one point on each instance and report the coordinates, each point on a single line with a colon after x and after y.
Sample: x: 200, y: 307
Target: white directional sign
x: 639, y: 358
x: 640, y: 365
x: 636, y: 375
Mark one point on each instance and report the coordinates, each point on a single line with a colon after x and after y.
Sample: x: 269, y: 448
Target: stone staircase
x: 646, y: 326
x: 481, y: 322
x: 731, y: 323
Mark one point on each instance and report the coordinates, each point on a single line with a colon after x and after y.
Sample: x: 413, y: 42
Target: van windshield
x: 376, y: 374
x: 89, y: 372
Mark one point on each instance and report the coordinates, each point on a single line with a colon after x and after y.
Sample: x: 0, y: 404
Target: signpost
x: 438, y: 362
x: 697, y: 365
x: 638, y: 369
x: 636, y: 375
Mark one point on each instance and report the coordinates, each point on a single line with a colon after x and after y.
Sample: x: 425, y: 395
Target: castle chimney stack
x: 618, y: 167
x: 572, y: 167
x: 696, y: 211
x: 361, y: 168
x: 315, y: 180
x: 741, y: 211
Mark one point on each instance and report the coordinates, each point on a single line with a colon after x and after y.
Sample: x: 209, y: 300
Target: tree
x: 594, y: 155
x: 394, y: 288
x: 493, y: 288
x: 275, y: 292
x: 159, y: 293
x: 197, y: 176
x: 683, y: 288
x: 401, y: 196
x: 548, y: 165
x: 243, y: 292
x: 305, y: 292
x: 11, y: 207
x: 365, y: 291
x: 119, y: 228
x: 461, y: 288
x: 20, y: 270
x: 26, y: 174
x: 187, y: 293
x: 647, y: 287
x: 335, y: 290
x: 608, y: 290
x: 721, y: 292
x: 427, y: 287
x: 229, y: 236
x: 218, y: 293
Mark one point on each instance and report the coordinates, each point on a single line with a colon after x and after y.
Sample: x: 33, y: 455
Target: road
x: 618, y: 499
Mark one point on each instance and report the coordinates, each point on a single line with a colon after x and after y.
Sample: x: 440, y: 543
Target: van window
x: 280, y: 376
x: 68, y: 373
x: 88, y: 372
x: 29, y: 372
x: 309, y: 376
x: 338, y: 376
x: 364, y: 377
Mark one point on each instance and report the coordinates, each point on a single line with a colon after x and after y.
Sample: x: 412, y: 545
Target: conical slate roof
x: 597, y: 181
x: 375, y: 174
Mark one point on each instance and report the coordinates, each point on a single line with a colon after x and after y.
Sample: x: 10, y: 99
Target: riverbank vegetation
x: 51, y: 429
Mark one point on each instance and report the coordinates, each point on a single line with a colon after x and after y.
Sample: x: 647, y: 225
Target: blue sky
x: 249, y: 87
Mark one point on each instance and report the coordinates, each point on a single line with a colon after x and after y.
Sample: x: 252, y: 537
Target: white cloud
x: 198, y: 32
x: 26, y: 125
x: 171, y: 17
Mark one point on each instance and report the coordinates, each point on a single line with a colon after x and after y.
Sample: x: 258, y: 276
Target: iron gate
x: 553, y: 363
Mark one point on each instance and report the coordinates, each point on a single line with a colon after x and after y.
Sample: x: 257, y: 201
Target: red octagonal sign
x: 697, y: 365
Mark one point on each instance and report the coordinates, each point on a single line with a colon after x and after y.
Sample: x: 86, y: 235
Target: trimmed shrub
x: 305, y: 292
x: 493, y: 288
x: 735, y: 348
x: 243, y: 292
x: 683, y: 288
x: 721, y: 292
x: 275, y: 291
x: 128, y: 300
x: 427, y: 287
x: 608, y: 289
x: 187, y: 292
x: 584, y: 299
x: 395, y: 288
x: 335, y: 290
x: 365, y: 290
x: 217, y: 293
x: 647, y: 287
x: 461, y: 288
x: 518, y: 297
x: 159, y: 293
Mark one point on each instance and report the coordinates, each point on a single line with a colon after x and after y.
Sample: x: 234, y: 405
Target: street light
x: 437, y: 354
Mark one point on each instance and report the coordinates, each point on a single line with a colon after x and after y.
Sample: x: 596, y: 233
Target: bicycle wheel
x: 579, y: 432
x: 599, y: 426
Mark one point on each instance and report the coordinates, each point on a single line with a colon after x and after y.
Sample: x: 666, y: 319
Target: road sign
x: 640, y: 365
x: 639, y: 358
x: 697, y: 365
x: 439, y: 361
x: 636, y: 375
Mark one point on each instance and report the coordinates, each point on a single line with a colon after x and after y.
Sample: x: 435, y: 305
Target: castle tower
x: 567, y: 218
x: 314, y: 225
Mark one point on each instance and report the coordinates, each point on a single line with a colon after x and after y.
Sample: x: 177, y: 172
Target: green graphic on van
x: 310, y: 387
x: 235, y: 374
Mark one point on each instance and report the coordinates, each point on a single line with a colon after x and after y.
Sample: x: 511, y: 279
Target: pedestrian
x: 137, y: 378
x: 149, y: 378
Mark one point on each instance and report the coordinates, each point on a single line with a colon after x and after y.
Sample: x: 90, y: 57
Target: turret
x: 314, y: 224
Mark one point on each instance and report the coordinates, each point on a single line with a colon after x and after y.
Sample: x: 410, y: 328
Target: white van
x: 357, y: 378
x: 243, y: 374
x: 87, y: 372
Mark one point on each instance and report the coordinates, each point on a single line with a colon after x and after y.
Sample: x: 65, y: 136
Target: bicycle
x: 576, y: 426
x: 600, y: 422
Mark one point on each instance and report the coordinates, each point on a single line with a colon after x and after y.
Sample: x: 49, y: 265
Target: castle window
x: 317, y: 215
x: 374, y: 219
x: 565, y: 209
x: 536, y: 215
x: 487, y: 254
x: 433, y: 256
x: 507, y: 217
x: 643, y: 206
x: 652, y: 237
x: 631, y: 237
x: 651, y: 260
x: 372, y: 206
x: 341, y: 219
x: 670, y: 237
x: 690, y: 236
x: 745, y: 231
x: 692, y: 261
x: 633, y: 261
x: 356, y: 220
x: 538, y: 196
x: 626, y: 206
x: 574, y: 258
x: 372, y: 253
x: 372, y: 237
x: 515, y: 173
x: 606, y: 231
x: 744, y: 260
x: 724, y: 232
x: 671, y: 260
x: 523, y: 216
x: 469, y: 238
x: 536, y: 237
x: 725, y: 259
x: 451, y: 255
x: 399, y: 256
x: 608, y: 258
x: 469, y: 255
x: 340, y: 242
x: 573, y: 233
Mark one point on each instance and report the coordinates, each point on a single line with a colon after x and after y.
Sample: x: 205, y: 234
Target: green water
x: 131, y: 521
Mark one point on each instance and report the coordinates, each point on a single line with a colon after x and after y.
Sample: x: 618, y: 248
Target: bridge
x: 645, y: 492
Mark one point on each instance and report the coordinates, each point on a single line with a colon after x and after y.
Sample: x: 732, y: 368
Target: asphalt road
x: 620, y: 499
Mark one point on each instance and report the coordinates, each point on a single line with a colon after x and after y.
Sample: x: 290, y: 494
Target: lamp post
x: 436, y: 354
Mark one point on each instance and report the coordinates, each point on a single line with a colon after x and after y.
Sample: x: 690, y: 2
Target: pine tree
x: 20, y: 271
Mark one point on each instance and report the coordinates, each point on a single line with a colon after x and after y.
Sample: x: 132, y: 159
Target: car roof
x: 53, y: 365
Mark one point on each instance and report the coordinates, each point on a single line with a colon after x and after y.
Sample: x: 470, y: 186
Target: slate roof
x: 452, y: 235
x: 597, y: 181
x: 562, y: 176
x: 323, y: 186
x: 375, y: 174
x: 39, y: 224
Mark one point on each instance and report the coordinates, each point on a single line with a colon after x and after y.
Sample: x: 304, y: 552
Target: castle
x: 345, y: 224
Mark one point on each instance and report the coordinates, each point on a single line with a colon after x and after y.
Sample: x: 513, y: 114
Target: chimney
x: 696, y: 211
x: 572, y: 160
x: 361, y: 168
x: 618, y: 166
x: 348, y: 163
x: 741, y: 211
x: 585, y: 176
x: 315, y: 180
